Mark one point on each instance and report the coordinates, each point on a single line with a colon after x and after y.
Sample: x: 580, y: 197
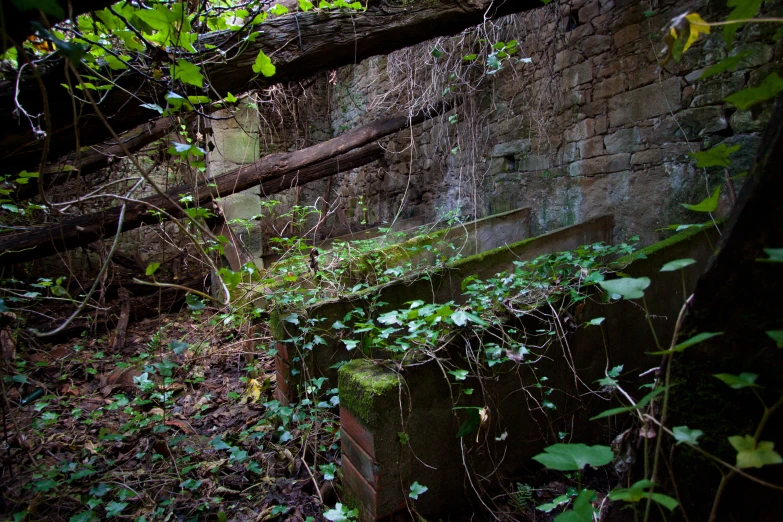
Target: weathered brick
x: 646, y: 102
x: 581, y: 131
x: 600, y: 165
x: 566, y: 58
x: 610, y: 87
x: 591, y: 147
x: 626, y: 35
x: 644, y: 75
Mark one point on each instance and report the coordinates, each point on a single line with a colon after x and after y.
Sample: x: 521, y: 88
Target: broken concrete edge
x: 361, y: 382
x: 392, y: 255
x: 650, y: 250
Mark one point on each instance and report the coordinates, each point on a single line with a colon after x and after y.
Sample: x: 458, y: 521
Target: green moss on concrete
x: 661, y: 245
x: 276, y: 326
x: 361, y: 382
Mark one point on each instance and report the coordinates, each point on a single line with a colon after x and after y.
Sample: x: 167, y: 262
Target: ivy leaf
x: 152, y: 268
x: 471, y: 423
x: 685, y: 434
x: 460, y: 375
x: 549, y: 506
x: 350, y: 344
x: 747, y: 98
x: 697, y: 26
x: 696, y: 339
x: 278, y: 10
x: 717, y: 156
x: 113, y: 509
x: 263, y: 65
x: 573, y: 457
x: 416, y: 490
x: 329, y: 470
x: 50, y: 7
x: 582, y: 510
x: 436, y: 53
x: 627, y: 287
x: 751, y: 455
x: 340, y: 513
x: 777, y: 336
x: 230, y: 98
x: 677, y: 264
x: 775, y: 255
x: 706, y: 205
x: 305, y: 5
x: 459, y: 317
x: 218, y: 444
x: 743, y: 9
x: 727, y: 64
x: 638, y: 491
x: 737, y: 382
x: 641, y: 404
x: 188, y: 73
x: 597, y: 321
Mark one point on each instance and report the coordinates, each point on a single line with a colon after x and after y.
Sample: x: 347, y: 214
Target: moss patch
x: 361, y: 383
x: 646, y: 252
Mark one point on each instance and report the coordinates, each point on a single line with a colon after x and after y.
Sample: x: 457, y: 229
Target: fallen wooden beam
x: 275, y: 173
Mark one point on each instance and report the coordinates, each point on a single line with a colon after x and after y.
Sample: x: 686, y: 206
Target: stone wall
x: 591, y: 124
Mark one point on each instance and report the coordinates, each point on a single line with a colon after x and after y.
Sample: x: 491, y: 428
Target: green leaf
x: 471, y: 423
x: 747, y: 98
x: 42, y: 486
x: 263, y: 65
x: 751, y: 455
x: 470, y: 57
x: 717, y: 156
x: 775, y: 255
x: 115, y: 63
x: 641, y: 404
x: 278, y: 10
x: 230, y: 98
x: 738, y: 382
x: 329, y: 470
x: 305, y: 5
x: 775, y: 335
x: 696, y: 339
x: 460, y: 375
x: 727, y: 64
x: 597, y: 321
x: 188, y: 73
x: 573, y: 457
x: 436, y: 53
x: 50, y: 7
x: 743, y: 10
x: 706, y: 205
x: 677, y: 264
x: 582, y: 510
x: 218, y: 444
x: 638, y: 491
x: 84, y: 516
x: 627, y: 287
x: 416, y: 490
x: 685, y: 434
x: 459, y: 317
x: 113, y: 509
x: 350, y: 344
x: 152, y: 268
x: 557, y: 501
x: 340, y: 513
x: 194, y: 303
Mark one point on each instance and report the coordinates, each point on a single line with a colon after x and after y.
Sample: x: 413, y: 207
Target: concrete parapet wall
x: 419, y: 410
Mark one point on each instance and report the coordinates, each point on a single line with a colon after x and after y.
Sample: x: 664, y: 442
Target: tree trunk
x: 275, y: 173
x: 300, y: 45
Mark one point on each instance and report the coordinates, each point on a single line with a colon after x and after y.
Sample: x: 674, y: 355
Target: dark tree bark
x: 275, y: 173
x: 300, y: 44
x: 740, y: 296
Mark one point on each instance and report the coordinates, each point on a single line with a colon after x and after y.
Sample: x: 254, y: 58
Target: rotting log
x: 300, y: 44
x: 275, y: 173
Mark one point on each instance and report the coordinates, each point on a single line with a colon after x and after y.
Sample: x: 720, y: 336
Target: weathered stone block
x: 511, y: 148
x: 533, y: 162
x: 626, y: 35
x: 600, y: 165
x: 591, y: 147
x: 647, y: 157
x: 566, y: 58
x: 610, y: 87
x: 589, y: 11
x: 758, y: 54
x: 624, y: 140
x: 702, y: 121
x: 597, y: 44
x: 581, y: 131
x: 644, y: 75
x: 578, y: 74
x: 745, y: 121
x: 646, y: 102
